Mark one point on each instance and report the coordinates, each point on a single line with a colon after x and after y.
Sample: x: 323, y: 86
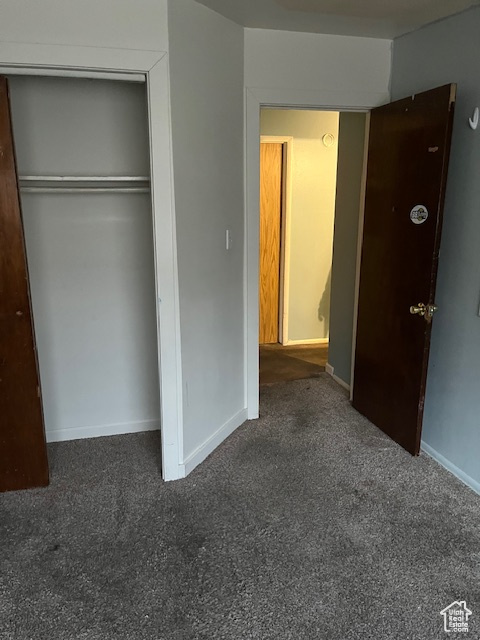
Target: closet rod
x: 84, y: 178
x: 84, y: 190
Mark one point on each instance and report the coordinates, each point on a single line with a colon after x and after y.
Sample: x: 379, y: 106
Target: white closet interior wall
x: 90, y: 255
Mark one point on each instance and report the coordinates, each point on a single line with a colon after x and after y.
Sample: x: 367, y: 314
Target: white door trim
x: 361, y: 221
x: 255, y: 98
x: 287, y: 142
x: 127, y: 64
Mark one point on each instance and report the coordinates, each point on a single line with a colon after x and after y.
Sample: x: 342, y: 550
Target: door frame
x: 151, y: 67
x: 361, y: 221
x: 255, y: 99
x: 284, y: 283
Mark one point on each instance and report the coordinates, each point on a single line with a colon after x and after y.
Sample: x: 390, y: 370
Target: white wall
x: 206, y: 63
x: 313, y: 181
x: 90, y: 257
x: 351, y: 151
x: 95, y: 23
x: 67, y: 126
x: 308, y: 63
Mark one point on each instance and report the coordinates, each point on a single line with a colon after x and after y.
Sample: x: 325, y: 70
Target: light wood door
x: 23, y: 453
x: 271, y: 169
x: 407, y: 166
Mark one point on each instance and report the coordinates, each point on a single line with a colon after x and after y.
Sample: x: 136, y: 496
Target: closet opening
x: 83, y: 165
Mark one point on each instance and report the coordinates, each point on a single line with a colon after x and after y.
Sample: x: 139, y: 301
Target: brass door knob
x: 419, y: 310
x: 422, y: 309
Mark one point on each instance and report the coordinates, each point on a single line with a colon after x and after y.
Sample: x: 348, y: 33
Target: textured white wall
x: 313, y: 180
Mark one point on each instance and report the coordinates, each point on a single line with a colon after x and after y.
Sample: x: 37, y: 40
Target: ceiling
x: 370, y: 18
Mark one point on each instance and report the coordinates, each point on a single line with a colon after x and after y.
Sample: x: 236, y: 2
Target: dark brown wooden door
x: 406, y: 177
x: 23, y: 454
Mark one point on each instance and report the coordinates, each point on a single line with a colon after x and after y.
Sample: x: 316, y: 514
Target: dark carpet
x: 307, y: 524
x: 279, y: 363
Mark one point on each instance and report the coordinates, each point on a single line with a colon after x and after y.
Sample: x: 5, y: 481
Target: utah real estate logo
x: 455, y: 617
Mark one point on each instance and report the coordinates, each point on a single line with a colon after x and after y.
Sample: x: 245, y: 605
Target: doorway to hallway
x: 397, y: 260
x: 302, y: 167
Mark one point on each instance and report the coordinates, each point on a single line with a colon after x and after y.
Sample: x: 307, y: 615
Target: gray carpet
x: 308, y: 524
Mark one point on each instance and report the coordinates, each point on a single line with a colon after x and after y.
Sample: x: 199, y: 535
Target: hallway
x: 279, y: 363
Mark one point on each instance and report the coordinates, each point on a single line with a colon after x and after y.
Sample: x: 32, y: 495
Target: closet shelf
x: 84, y: 189
x: 84, y: 179
x: 84, y: 184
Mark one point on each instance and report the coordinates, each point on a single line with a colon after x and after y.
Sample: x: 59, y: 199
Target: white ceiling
x: 371, y: 18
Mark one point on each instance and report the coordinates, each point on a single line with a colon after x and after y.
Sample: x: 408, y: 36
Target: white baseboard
x: 341, y: 382
x: 205, y: 449
x: 331, y: 372
x: 461, y: 475
x: 291, y: 343
x: 77, y: 433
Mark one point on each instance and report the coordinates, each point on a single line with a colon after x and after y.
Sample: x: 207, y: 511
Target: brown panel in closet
x: 23, y: 454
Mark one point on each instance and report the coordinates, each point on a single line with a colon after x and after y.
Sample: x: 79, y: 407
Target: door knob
x: 422, y: 309
x: 419, y: 310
